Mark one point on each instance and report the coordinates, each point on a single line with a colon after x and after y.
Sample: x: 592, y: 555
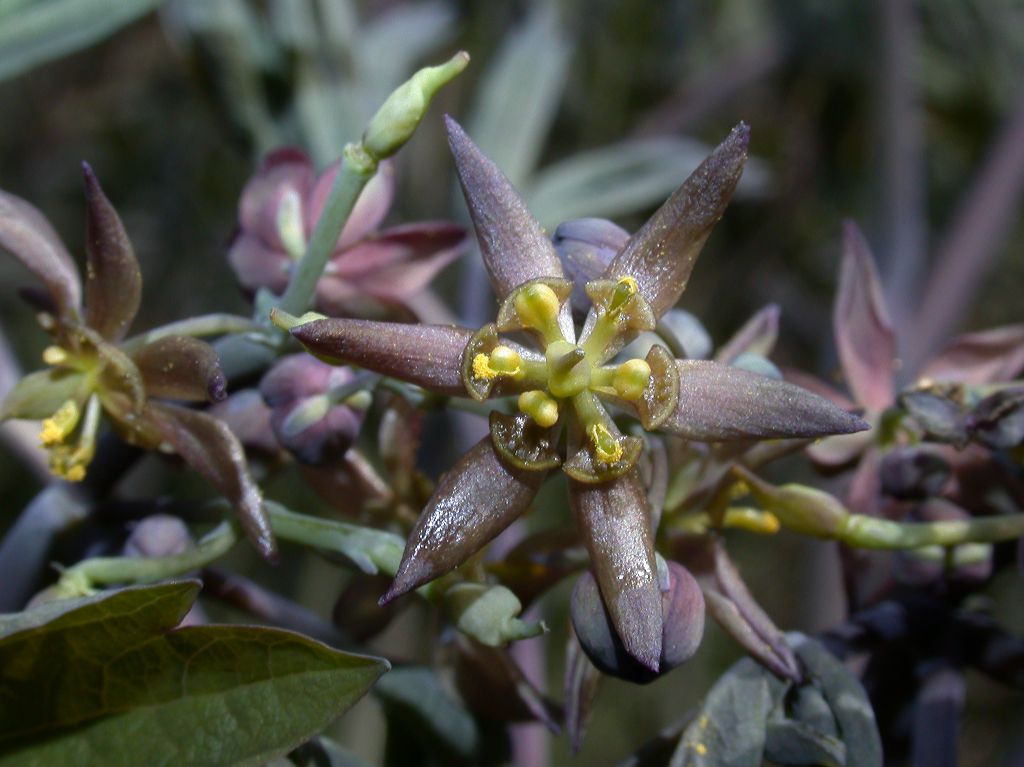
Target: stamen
x: 70, y: 463
x: 54, y: 355
x: 631, y: 379
x: 540, y: 406
x: 625, y: 289
x: 537, y: 307
x: 606, y: 446
x: 57, y: 427
x: 502, y: 361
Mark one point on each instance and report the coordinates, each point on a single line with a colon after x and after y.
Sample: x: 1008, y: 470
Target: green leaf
x: 794, y: 743
x: 621, y: 178
x: 847, y: 699
x: 731, y: 726
x: 416, y: 700
x: 106, y: 680
x: 50, y: 29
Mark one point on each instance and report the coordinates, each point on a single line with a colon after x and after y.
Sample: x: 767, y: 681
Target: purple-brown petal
x: 514, y: 246
x: 283, y: 170
x: 719, y: 404
x: 426, y: 355
x: 478, y: 498
x: 113, y: 282
x: 586, y: 246
x: 615, y: 523
x: 988, y: 356
x: 257, y: 265
x: 860, y: 321
x: 182, y: 368
x: 28, y: 236
x: 398, y: 262
x: 757, y: 336
x: 661, y: 255
x: 210, y: 448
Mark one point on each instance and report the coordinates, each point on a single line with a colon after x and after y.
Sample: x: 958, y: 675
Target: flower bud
x: 941, y: 418
x: 909, y: 473
x: 398, y: 117
x: 998, y: 420
x: 304, y: 416
x: 682, y: 606
x: 158, y: 535
x: 585, y: 247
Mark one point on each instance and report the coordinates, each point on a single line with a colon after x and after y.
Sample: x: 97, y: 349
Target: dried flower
x: 564, y: 382
x: 93, y: 368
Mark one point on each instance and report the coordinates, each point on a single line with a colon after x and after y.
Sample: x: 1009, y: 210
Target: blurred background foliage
x: 908, y: 117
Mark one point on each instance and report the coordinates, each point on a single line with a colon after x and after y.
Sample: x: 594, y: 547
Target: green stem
x: 204, y: 325
x: 357, y: 168
x: 104, y: 571
x: 873, y: 533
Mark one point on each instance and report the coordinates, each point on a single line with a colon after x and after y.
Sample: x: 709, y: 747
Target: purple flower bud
x: 586, y: 246
x: 682, y: 606
x: 305, y: 417
x: 158, y: 535
x: 998, y: 420
x: 912, y: 473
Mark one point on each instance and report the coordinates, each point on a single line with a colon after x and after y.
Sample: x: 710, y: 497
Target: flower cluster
x: 567, y: 382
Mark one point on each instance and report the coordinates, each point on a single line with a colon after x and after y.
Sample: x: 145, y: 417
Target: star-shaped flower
x: 93, y: 369
x: 567, y: 384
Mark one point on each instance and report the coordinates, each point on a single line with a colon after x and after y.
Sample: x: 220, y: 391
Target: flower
x: 370, y: 273
x: 93, y: 368
x: 564, y: 383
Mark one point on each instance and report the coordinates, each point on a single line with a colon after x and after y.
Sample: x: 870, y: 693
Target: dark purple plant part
x: 585, y: 247
x: 93, y: 370
x: 564, y: 382
x: 682, y: 609
x: 372, y: 271
x: 998, y: 420
x: 311, y: 406
x: 493, y: 685
x: 582, y: 683
x: 914, y: 473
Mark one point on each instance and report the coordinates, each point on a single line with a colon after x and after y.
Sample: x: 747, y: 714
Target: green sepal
x: 508, y: 318
x: 38, y: 395
x: 520, y: 441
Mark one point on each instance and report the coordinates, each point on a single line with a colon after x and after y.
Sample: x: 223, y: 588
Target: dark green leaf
x: 105, y: 680
x: 848, y: 701
x: 416, y: 701
x: 794, y: 743
x: 731, y: 727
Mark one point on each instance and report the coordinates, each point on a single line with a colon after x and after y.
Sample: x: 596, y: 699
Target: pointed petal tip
x: 639, y: 624
x: 411, y: 575
x: 740, y: 135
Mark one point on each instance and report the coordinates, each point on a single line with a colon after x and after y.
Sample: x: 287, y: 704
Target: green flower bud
x: 401, y: 113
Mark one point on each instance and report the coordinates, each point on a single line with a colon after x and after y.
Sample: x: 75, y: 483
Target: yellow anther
x: 57, y: 427
x: 502, y: 361
x: 540, y: 406
x: 537, y: 307
x: 607, y: 448
x: 69, y: 462
x: 625, y: 289
x: 631, y: 379
x: 54, y: 355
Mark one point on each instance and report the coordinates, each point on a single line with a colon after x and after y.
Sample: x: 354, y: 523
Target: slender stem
x: 103, y: 571
x: 357, y: 168
x: 875, y: 533
x: 218, y: 324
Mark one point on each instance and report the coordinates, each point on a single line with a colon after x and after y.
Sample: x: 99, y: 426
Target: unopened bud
x: 801, y: 508
x: 682, y: 607
x: 401, y: 113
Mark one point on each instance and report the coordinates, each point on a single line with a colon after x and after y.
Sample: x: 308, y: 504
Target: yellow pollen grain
x: 75, y: 473
x: 482, y: 368
x: 57, y: 427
